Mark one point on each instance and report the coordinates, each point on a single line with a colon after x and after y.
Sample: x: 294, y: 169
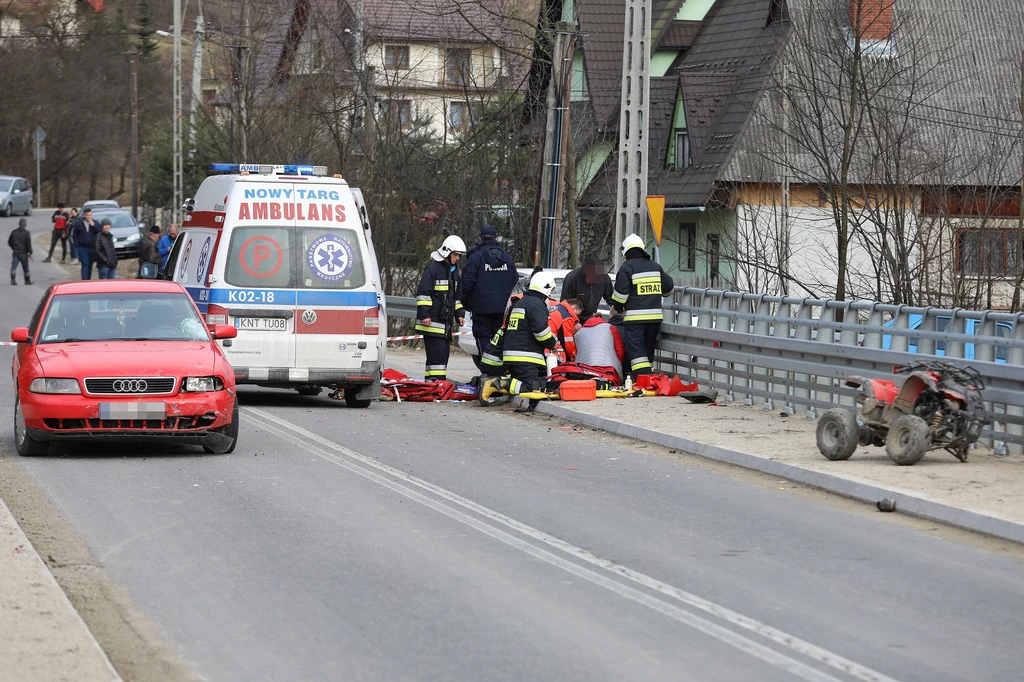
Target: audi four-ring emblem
x: 130, y: 386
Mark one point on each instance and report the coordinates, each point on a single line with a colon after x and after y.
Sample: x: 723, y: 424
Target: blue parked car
x: 1003, y: 331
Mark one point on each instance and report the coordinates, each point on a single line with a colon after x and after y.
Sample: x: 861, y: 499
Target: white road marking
x: 776, y: 636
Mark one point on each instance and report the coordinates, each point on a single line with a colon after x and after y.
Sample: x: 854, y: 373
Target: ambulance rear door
x: 337, y: 314
x: 255, y: 287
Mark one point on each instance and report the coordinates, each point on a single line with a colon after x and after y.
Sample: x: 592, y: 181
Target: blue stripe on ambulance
x: 283, y: 297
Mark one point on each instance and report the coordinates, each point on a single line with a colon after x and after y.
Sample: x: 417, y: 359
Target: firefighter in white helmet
x: 438, y: 309
x: 639, y: 287
x: 527, y: 336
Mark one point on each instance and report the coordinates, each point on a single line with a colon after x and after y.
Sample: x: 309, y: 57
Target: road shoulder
x: 44, y: 637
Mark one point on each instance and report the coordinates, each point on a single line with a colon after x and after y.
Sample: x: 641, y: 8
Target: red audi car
x: 122, y: 360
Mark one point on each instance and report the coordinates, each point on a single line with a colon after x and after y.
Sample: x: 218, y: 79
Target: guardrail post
x: 1015, y: 356
x: 957, y: 325
x: 926, y: 346
x: 704, y: 321
x: 724, y: 322
x: 784, y: 330
x: 899, y: 342
x: 986, y: 352
x: 743, y: 326
x: 803, y: 333
x: 848, y: 337
x: 873, y: 339
x: 762, y: 311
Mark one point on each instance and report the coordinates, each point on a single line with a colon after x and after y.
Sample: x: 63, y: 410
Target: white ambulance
x: 284, y: 253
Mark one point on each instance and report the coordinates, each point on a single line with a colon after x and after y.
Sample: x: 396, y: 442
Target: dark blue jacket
x: 84, y: 236
x: 488, y: 279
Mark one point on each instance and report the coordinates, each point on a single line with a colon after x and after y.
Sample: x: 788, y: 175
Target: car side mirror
x: 224, y: 331
x: 149, y: 271
x: 19, y: 335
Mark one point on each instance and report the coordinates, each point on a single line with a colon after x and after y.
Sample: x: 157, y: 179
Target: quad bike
x: 938, y: 406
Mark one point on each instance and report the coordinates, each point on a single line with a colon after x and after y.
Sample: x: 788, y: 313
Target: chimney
x: 871, y: 19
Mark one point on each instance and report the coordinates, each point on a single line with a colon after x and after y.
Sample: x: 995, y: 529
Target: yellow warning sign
x: 656, y: 211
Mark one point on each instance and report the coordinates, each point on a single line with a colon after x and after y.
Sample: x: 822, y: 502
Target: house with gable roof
x: 723, y: 149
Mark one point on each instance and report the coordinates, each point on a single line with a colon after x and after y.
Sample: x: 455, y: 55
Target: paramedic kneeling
x: 639, y: 287
x: 527, y: 336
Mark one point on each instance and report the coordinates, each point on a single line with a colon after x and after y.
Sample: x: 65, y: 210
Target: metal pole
x: 197, y: 83
x: 176, y: 113
x: 360, y: 65
x: 39, y: 174
x: 133, y: 66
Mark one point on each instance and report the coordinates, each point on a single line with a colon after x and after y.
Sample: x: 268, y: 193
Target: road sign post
x: 40, y: 153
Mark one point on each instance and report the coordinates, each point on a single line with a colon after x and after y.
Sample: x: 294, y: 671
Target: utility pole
x: 547, y: 216
x: 242, y: 70
x: 359, y: 52
x: 197, y: 83
x: 784, y: 246
x: 631, y: 188
x: 368, y: 125
x: 178, y: 199
x: 134, y: 71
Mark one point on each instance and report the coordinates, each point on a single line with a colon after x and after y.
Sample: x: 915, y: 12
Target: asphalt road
x: 449, y: 542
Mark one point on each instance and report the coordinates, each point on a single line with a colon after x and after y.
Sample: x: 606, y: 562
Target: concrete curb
x: 906, y: 501
x: 95, y: 665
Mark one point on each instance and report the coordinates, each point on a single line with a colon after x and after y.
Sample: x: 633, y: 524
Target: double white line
x: 578, y: 561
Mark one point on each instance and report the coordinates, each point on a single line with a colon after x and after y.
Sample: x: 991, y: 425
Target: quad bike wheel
x: 908, y: 440
x: 838, y: 434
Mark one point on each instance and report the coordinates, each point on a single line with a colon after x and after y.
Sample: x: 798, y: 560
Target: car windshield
x: 118, y: 316
x: 116, y: 218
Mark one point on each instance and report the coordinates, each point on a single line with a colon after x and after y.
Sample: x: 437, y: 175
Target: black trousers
x: 640, y: 339
x: 484, y: 327
x: 55, y: 236
x: 438, y: 347
x: 527, y: 377
x: 19, y: 257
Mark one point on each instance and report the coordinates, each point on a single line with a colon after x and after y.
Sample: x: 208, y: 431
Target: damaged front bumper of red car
x: 190, y: 419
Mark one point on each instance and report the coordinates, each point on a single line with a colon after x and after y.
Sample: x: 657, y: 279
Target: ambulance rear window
x: 274, y: 257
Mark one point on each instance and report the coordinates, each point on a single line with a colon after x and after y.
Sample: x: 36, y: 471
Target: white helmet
x: 451, y: 244
x: 631, y: 242
x: 544, y: 282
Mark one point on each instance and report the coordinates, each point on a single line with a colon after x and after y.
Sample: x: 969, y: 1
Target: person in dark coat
x: 20, y: 242
x: 149, y: 250
x: 487, y: 281
x: 589, y: 283
x: 84, y: 234
x: 106, y: 254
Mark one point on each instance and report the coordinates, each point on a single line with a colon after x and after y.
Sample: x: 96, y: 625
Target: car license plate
x: 136, y: 410
x: 263, y: 324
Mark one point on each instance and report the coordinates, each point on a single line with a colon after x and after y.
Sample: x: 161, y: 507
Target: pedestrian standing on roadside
x: 72, y: 219
x: 106, y: 254
x: 487, y: 281
x: 85, y: 231
x: 20, y: 242
x: 58, y: 234
x: 166, y: 243
x: 438, y: 307
x: 639, y: 287
x: 149, y: 252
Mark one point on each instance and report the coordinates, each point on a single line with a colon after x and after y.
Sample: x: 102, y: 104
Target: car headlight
x: 49, y: 385
x: 203, y: 384
x: 134, y: 237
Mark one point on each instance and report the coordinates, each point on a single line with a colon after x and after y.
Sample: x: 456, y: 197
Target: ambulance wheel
x: 352, y: 401
x: 310, y: 390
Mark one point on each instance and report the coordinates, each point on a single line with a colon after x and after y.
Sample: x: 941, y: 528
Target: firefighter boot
x: 491, y: 388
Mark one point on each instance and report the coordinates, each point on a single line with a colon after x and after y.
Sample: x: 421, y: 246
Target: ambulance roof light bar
x: 266, y: 169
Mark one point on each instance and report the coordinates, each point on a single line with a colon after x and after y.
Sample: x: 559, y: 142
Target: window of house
x: 456, y: 66
x: 714, y: 258
x: 309, y: 54
x: 398, y: 111
x: 458, y: 115
x: 688, y: 247
x: 682, y: 159
x: 778, y: 13
x: 990, y: 253
x: 396, y: 57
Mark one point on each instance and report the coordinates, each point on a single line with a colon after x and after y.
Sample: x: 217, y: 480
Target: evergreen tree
x: 145, y: 45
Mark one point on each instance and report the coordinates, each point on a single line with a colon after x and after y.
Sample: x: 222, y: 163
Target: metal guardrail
x: 796, y: 352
